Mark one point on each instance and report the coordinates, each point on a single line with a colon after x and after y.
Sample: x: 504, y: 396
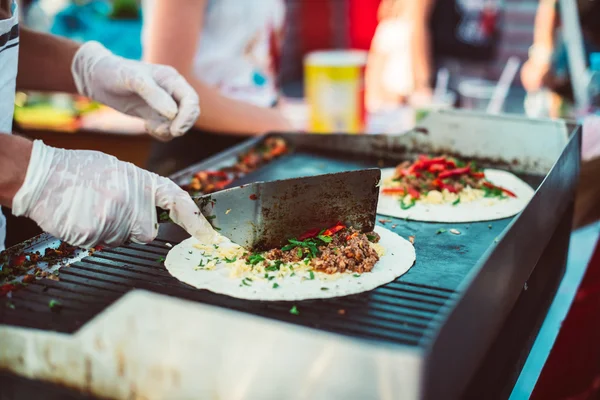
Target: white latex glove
x: 88, y: 198
x: 156, y: 93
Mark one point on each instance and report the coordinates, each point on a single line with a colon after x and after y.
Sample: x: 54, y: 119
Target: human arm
x: 540, y: 53
x: 419, y: 12
x: 158, y: 94
x: 181, y: 21
x: 377, y: 94
x: 88, y: 198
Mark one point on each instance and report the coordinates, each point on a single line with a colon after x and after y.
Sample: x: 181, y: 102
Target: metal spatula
x: 264, y: 215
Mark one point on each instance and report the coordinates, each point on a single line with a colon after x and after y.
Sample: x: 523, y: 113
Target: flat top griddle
x: 404, y: 312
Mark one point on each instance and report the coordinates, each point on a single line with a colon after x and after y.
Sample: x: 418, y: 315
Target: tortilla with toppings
x: 334, y: 262
x: 446, y: 189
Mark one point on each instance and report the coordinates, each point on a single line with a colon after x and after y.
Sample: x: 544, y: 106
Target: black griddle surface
x: 405, y: 312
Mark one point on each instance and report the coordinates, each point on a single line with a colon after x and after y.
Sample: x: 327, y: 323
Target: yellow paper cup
x: 334, y: 89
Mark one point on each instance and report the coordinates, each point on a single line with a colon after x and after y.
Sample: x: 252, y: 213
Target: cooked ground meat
x: 349, y: 250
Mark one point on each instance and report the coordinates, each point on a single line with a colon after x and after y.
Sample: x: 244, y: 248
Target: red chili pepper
x: 450, y: 163
x: 478, y: 175
x: 398, y: 191
x: 277, y: 151
x: 449, y: 188
x: 492, y: 186
x: 355, y: 234
x: 8, y: 287
x: 454, y: 172
x: 425, y: 163
x: 414, y: 193
x: 437, y: 168
x: 336, y: 228
x: 310, y: 234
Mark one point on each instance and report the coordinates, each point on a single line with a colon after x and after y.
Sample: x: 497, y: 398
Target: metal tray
x: 449, y: 306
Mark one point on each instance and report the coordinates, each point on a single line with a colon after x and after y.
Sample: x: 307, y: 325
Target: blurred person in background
x: 454, y: 34
x: 548, y: 66
x: 389, y: 76
x: 228, y: 51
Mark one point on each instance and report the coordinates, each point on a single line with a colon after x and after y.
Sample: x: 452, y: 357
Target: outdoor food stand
x: 459, y: 324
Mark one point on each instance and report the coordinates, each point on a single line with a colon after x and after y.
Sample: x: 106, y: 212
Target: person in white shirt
x: 227, y: 50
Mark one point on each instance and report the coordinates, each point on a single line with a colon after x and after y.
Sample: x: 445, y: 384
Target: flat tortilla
x: 484, y: 209
x: 183, y: 261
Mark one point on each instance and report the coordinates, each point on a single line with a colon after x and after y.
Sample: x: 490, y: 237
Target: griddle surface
x: 403, y: 312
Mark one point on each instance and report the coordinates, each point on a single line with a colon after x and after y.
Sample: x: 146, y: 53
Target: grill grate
x: 400, y: 312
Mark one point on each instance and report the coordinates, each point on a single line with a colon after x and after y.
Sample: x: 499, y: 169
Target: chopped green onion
x: 54, y: 305
x: 405, y: 206
x: 324, y: 288
x: 160, y: 260
x: 311, y: 275
x: 371, y: 238
x: 294, y: 311
x: 455, y: 202
x: 255, y: 258
x: 275, y: 285
x: 229, y: 261
x: 440, y: 231
x: 326, y: 239
x: 356, y: 275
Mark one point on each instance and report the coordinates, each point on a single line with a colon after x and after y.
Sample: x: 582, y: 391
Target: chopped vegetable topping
x: 294, y: 311
x: 324, y: 288
x: 311, y: 275
x: 440, y: 231
x: 230, y: 260
x: 275, y: 285
x: 161, y: 260
x: 54, y: 305
x: 255, y: 258
x: 438, y: 174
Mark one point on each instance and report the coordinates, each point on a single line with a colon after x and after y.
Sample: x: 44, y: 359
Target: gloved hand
x: 156, y: 93
x: 88, y: 198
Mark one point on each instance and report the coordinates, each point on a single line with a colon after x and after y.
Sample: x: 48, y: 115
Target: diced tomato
x: 19, y: 260
x: 392, y: 191
x: 454, y: 172
x: 414, y: 193
x: 8, y: 287
x: 449, y: 188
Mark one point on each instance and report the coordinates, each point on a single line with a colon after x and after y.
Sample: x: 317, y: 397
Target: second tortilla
x: 484, y: 209
x: 183, y: 261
